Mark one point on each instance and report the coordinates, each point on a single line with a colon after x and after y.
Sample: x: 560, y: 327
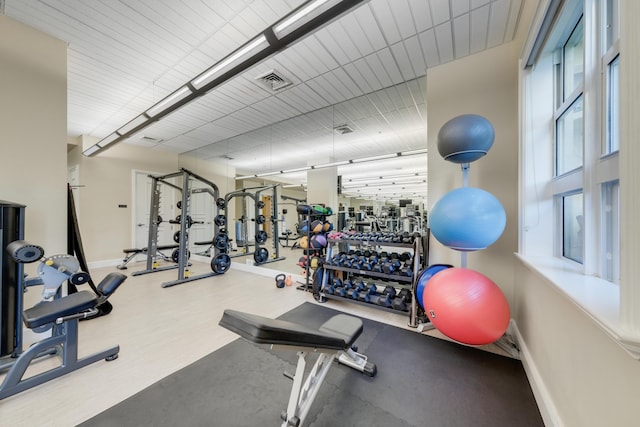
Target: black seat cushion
x: 334, y: 334
x: 48, y: 311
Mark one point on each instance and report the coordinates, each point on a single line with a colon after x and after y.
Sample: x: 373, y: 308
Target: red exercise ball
x: 466, y: 306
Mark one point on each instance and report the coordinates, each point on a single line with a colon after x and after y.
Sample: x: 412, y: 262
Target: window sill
x: 597, y: 298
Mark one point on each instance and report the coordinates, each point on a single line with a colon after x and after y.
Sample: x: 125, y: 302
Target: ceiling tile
x: 479, y: 28
x: 444, y: 41
x: 461, y: 36
x: 439, y: 11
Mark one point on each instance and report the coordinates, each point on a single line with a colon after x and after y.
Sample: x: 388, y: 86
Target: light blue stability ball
x: 465, y: 138
x: 467, y: 219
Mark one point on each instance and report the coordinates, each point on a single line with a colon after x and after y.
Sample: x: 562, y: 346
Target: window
x: 570, y: 200
x: 573, y: 227
x: 572, y: 98
x: 611, y: 231
x: 611, y: 65
x: 569, y: 140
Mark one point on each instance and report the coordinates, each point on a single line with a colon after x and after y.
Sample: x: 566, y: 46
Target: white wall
x: 33, y: 131
x: 490, y: 90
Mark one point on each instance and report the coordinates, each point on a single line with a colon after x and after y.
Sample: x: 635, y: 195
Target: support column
x: 322, y: 187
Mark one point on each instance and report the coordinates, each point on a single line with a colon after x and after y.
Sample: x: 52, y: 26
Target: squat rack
x: 185, y: 222
x: 260, y: 254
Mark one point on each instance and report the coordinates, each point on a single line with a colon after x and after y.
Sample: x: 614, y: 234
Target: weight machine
x: 220, y: 262
x: 260, y: 254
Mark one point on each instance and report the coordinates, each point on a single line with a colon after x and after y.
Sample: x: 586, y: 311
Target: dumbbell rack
x: 397, y: 281
x: 309, y: 252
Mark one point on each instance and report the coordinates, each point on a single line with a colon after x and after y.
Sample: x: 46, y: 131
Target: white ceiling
x: 363, y: 70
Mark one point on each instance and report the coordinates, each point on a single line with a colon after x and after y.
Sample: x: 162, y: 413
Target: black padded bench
x: 334, y: 338
x: 63, y: 315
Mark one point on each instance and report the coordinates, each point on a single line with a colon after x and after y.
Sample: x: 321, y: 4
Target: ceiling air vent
x: 343, y: 129
x: 273, y: 80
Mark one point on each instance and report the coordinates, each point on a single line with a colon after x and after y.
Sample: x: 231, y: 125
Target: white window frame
x: 541, y: 218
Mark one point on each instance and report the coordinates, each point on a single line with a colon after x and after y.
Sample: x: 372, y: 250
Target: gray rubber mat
x: 421, y: 381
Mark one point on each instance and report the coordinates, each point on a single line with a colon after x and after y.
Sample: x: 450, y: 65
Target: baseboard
x: 262, y: 271
x: 548, y: 410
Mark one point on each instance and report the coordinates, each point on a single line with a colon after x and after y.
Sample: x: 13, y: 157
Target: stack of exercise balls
x: 463, y: 304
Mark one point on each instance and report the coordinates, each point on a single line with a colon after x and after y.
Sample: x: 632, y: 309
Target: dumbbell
x: 404, y: 294
x: 390, y: 291
x: 399, y: 304
x: 406, y: 271
x: 385, y: 300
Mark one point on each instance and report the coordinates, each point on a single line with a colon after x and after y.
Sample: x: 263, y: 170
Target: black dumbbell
x: 389, y: 268
x: 385, y: 301
x: 399, y: 304
x: 405, y: 295
x: 389, y: 291
x: 406, y: 271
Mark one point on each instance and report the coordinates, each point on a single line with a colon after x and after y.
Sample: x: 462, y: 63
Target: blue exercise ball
x: 424, y: 277
x: 465, y: 138
x: 467, y: 219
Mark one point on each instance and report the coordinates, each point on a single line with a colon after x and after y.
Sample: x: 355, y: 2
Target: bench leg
x: 358, y: 362
x: 65, y: 341
x: 302, y: 395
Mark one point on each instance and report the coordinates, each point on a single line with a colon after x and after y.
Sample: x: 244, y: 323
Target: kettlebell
x: 280, y: 280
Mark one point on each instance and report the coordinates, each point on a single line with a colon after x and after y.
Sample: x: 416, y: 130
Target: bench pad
x: 337, y: 333
x: 48, y: 311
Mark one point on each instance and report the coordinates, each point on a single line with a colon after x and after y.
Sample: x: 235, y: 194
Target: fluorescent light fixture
x: 301, y: 16
x: 246, y: 177
x: 269, y: 173
x: 108, y: 140
x: 414, y: 152
x: 305, y: 168
x: 91, y: 150
x: 301, y: 22
x: 378, y: 184
x: 400, y: 176
x: 328, y: 165
x: 178, y: 95
x: 132, y: 124
x: 373, y: 158
x: 254, y: 46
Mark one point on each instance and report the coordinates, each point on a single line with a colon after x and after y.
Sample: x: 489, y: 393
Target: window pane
x: 573, y: 60
x: 572, y: 227
x: 611, y: 23
x: 613, y: 105
x: 611, y: 231
x: 569, y: 138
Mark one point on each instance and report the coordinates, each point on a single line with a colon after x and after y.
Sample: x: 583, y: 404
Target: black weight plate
x: 261, y: 236
x: 221, y: 263
x: 221, y: 241
x: 261, y: 256
x: 220, y: 220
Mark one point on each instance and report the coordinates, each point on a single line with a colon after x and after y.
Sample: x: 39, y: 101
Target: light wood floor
x: 159, y: 330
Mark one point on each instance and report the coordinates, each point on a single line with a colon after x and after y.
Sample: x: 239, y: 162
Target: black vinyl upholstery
x: 337, y: 333
x: 48, y: 311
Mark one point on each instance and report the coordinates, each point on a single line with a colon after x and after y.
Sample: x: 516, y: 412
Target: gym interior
x: 152, y: 277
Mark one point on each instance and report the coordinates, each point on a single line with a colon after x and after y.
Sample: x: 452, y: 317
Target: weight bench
x: 131, y: 253
x: 335, y: 338
x: 63, y: 315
